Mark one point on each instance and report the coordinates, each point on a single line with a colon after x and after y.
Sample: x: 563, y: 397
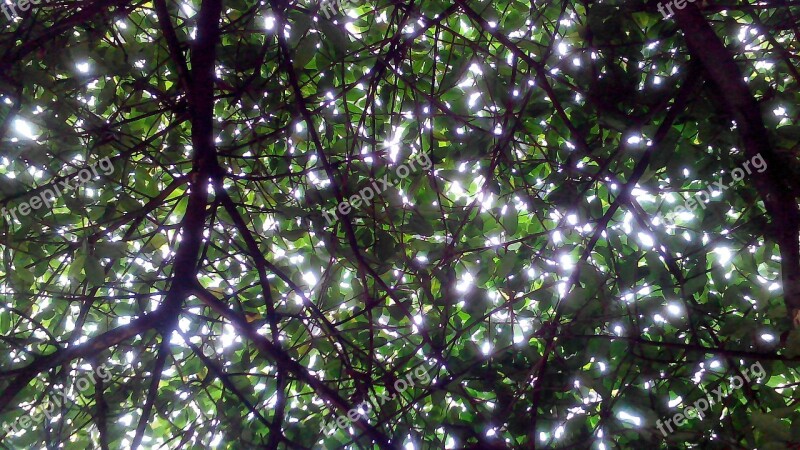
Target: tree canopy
x: 583, y: 221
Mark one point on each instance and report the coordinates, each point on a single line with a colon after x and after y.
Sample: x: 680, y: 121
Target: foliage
x: 524, y: 270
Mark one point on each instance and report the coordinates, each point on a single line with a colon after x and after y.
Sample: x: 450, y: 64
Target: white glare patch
x: 646, y: 240
x: 216, y: 441
x: 82, y: 67
x: 724, y: 254
x: 228, y: 336
x: 269, y: 22
x: 634, y: 139
x: 566, y: 262
x: 473, y: 99
x: 674, y: 309
x: 676, y: 402
x: 183, y: 324
x: 24, y: 129
x: 309, y: 278
x: 486, y: 348
x: 465, y: 284
x: 626, y: 223
x: 518, y: 336
x: 766, y: 337
x: 629, y: 418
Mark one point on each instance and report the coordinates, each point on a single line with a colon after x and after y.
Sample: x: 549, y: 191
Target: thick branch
x: 773, y: 184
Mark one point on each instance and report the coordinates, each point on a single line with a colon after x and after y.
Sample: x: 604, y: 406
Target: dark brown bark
x: 773, y: 184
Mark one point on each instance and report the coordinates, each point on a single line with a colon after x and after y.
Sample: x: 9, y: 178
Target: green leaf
x: 94, y: 271
x: 304, y: 53
x: 507, y: 263
x: 76, y: 267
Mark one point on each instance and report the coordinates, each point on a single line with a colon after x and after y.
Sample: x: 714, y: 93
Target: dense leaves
x: 528, y: 269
